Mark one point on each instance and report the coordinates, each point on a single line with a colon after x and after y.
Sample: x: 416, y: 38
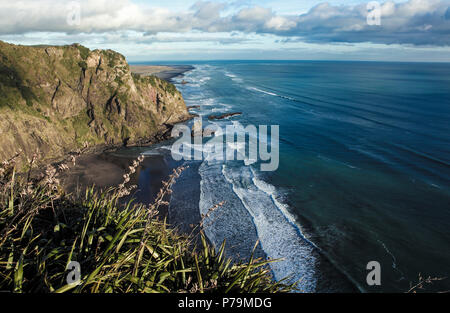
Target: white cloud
x: 399, y: 24
x: 417, y: 22
x: 279, y: 23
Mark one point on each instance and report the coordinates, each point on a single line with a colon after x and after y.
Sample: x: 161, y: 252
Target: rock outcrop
x: 56, y: 99
x: 223, y: 116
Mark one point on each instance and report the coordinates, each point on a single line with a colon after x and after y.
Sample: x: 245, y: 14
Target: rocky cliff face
x: 58, y: 98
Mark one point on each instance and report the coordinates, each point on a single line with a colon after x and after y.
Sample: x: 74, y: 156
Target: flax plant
x: 120, y: 248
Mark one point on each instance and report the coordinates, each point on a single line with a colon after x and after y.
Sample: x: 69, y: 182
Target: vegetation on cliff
x: 58, y: 98
x: 61, y: 99
x: 120, y: 248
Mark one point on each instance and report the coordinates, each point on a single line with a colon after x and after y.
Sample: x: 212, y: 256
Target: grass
x: 121, y: 248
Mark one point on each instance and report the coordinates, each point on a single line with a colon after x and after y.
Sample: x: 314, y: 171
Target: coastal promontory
x: 58, y: 98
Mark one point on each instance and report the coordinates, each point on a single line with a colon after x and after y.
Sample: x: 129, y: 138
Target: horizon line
x: 283, y: 60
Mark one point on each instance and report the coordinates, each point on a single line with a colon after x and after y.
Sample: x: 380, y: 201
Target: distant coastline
x: 161, y: 71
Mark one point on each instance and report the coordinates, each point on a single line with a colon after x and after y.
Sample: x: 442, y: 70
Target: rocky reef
x: 223, y: 116
x: 58, y: 98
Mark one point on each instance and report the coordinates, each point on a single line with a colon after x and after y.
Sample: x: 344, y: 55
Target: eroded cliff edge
x: 56, y: 98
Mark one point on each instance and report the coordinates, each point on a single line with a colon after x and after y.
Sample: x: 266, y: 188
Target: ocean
x: 364, y: 170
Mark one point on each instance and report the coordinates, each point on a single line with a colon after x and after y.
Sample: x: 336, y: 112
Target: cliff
x: 56, y: 99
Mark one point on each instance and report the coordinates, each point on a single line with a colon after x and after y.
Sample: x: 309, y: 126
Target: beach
x: 161, y: 71
x: 326, y: 209
x: 104, y: 167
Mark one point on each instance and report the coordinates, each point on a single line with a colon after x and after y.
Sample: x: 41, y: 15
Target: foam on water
x: 252, y: 210
x: 272, y: 94
x: 279, y: 237
x: 207, y: 102
x: 233, y: 77
x: 222, y: 107
x: 262, y: 91
x: 342, y: 129
x: 231, y: 222
x: 272, y: 192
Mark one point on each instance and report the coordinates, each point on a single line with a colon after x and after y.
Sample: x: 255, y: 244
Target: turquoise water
x: 364, y: 169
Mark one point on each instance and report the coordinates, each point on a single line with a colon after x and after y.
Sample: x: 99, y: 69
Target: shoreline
x: 161, y: 71
x: 105, y: 169
x: 104, y: 165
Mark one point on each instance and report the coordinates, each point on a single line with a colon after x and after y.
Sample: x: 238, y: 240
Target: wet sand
x: 106, y: 169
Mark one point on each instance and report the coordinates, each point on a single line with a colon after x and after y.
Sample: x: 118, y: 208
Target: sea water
x: 364, y: 169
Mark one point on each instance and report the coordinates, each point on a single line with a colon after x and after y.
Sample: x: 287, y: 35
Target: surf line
x: 228, y: 145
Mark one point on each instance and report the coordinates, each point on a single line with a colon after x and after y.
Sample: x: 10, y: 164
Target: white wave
x: 166, y: 147
x: 251, y: 205
x: 233, y: 77
x: 272, y: 94
x: 262, y: 91
x: 232, y: 221
x: 278, y: 237
x: 188, y: 151
x: 208, y: 102
x: 272, y: 192
x: 222, y: 107
x: 203, y: 80
x: 434, y: 185
x: 196, y: 78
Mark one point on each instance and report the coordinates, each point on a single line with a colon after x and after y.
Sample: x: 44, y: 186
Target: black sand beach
x: 106, y: 169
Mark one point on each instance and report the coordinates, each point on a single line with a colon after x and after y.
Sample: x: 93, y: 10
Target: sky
x: 176, y: 30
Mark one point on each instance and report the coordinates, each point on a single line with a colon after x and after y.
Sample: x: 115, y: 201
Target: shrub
x: 121, y: 248
x: 84, y: 52
x: 83, y: 65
